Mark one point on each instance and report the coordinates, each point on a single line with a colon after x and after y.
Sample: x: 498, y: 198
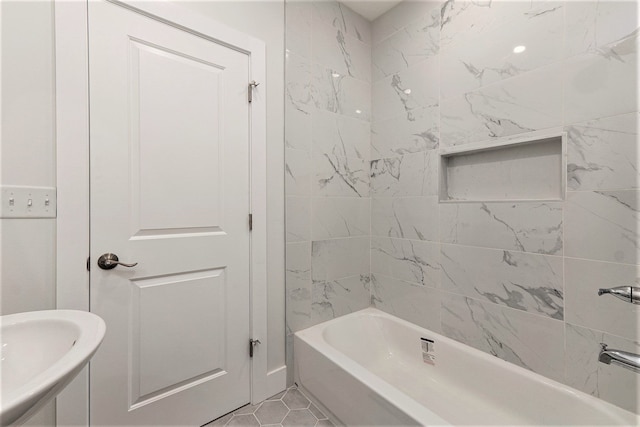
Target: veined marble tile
x: 401, y: 15
x: 299, y: 15
x: 584, y: 307
x: 609, y: 382
x: 524, y: 339
x: 298, y: 44
x: 465, y: 21
x: 298, y: 219
x: 343, y: 18
x: 602, y: 83
x: 339, y: 51
x: 335, y: 92
x: 602, y: 225
x: 595, y: 23
x: 603, y: 154
x: 339, y: 258
x: 525, y: 103
x: 490, y: 57
x: 298, y: 88
x: 340, y: 136
x: 409, y: 175
x: 408, y: 90
x: 518, y: 280
x: 297, y: 171
x: 529, y: 227
x: 340, y: 176
x: 331, y: 299
x: 298, y: 285
x: 410, y: 132
x: 335, y: 217
x: 409, y: 46
x: 297, y: 127
x: 408, y: 260
x: 406, y: 217
x: 416, y: 304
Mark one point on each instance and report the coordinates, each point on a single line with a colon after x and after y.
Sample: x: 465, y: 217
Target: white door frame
x: 72, y: 150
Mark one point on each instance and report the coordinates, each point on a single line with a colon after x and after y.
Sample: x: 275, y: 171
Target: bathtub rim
x: 314, y: 337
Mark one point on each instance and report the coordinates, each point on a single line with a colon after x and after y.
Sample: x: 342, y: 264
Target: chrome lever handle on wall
x: 110, y: 261
x: 625, y: 293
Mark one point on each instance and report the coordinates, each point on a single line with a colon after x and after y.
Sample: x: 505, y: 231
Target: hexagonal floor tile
x: 243, y: 421
x: 299, y: 418
x: 295, y: 400
x: 271, y: 412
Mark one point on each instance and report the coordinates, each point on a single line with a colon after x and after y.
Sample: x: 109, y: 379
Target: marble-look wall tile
x: 526, y: 103
x: 344, y: 54
x: 602, y: 225
x: 400, y: 16
x: 409, y: 46
x: 411, y: 132
x: 298, y: 87
x: 528, y: 227
x: 338, y: 297
x: 335, y: 92
x: 408, y: 90
x: 297, y: 127
x: 298, y: 286
x: 594, y: 23
x: 335, y: 217
x: 298, y: 16
x: 409, y: 175
x: 408, y: 260
x: 609, y: 382
x: 527, y: 340
x: 339, y: 258
x: 417, y: 304
x: 298, y: 219
x: 340, y: 176
x: 343, y: 18
x: 465, y: 21
x: 340, y: 136
x: 490, y: 57
x: 406, y: 217
x: 527, y: 282
x: 602, y: 83
x: 603, y: 154
x: 297, y: 172
x: 585, y: 308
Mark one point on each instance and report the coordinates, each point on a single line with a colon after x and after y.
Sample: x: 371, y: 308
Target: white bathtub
x: 367, y: 369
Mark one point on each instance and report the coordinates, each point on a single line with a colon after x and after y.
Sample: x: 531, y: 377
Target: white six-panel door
x: 169, y: 149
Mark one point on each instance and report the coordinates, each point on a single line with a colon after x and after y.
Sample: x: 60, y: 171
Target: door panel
x: 170, y: 191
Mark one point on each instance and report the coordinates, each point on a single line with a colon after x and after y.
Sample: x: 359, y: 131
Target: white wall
x: 27, y: 246
x: 265, y: 20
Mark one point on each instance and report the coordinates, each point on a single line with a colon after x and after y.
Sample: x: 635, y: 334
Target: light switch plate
x: 28, y: 202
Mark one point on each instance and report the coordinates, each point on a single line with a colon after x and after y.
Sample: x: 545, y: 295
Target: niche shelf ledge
x: 527, y: 168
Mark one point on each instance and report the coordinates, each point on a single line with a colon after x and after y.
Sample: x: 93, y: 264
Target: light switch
x: 28, y: 202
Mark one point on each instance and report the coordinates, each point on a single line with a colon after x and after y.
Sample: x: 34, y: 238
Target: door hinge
x: 88, y: 263
x: 250, y: 222
x: 252, y: 84
x: 252, y: 344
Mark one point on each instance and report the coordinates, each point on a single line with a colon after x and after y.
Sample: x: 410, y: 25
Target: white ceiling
x: 370, y: 9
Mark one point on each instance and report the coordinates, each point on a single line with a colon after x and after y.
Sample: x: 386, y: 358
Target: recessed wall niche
x: 520, y: 169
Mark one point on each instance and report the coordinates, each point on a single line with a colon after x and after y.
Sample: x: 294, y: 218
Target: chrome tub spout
x: 621, y: 358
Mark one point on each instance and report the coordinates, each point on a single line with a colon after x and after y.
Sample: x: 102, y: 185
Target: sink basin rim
x: 91, y: 330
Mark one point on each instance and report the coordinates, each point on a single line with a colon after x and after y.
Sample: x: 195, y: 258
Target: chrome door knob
x: 109, y: 261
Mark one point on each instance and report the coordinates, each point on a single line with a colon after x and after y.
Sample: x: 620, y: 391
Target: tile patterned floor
x: 289, y: 408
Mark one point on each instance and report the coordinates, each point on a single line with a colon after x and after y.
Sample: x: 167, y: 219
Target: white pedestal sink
x: 42, y: 351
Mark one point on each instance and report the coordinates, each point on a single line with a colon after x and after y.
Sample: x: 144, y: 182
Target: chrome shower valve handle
x: 625, y: 293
